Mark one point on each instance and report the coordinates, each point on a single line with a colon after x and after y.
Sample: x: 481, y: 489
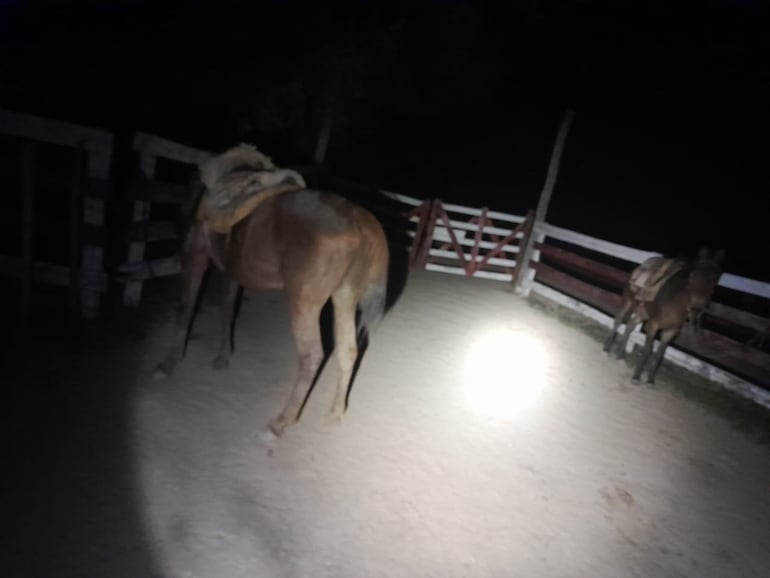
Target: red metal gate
x: 432, y: 216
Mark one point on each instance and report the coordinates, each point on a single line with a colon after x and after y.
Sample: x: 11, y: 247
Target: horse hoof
x: 635, y: 380
x: 221, y: 363
x: 161, y: 372
x: 334, y: 418
x: 276, y: 427
x: 267, y: 436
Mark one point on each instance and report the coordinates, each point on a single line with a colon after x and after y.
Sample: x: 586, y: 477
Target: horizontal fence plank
x: 158, y: 192
x: 52, y: 131
x: 144, y: 231
x: 459, y: 271
x: 57, y: 275
x: 468, y: 258
x: 473, y: 212
x: 465, y: 242
x: 745, y: 285
x: 598, y: 245
x: 144, y: 270
x: 465, y: 226
x: 440, y: 234
x: 736, y: 317
x: 753, y: 364
x: 601, y: 299
x: 605, y: 273
x: 161, y: 147
x: 407, y: 200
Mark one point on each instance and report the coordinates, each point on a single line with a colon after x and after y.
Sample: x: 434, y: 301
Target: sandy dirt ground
x: 596, y: 478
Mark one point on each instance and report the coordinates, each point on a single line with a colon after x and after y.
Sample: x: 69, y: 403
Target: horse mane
x: 238, y: 158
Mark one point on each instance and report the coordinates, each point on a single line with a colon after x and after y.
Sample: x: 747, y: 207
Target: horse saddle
x: 647, y: 279
x: 237, y: 182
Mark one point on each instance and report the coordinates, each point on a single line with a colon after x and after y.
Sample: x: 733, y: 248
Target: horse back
x: 295, y: 230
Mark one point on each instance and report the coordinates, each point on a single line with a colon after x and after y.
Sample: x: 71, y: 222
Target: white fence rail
x: 468, y: 235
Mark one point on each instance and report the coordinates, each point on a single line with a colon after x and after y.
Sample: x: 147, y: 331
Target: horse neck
x: 677, y: 288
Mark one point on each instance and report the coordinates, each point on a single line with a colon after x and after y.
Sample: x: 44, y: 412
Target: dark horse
x: 684, y: 295
x: 316, y: 246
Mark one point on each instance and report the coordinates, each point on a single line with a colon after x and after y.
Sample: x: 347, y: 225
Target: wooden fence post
x: 427, y: 238
x: 424, y: 236
x: 519, y: 269
x: 99, y: 162
x: 521, y: 284
x: 482, y: 220
x: 132, y: 292
x: 27, y: 225
x: 75, y: 228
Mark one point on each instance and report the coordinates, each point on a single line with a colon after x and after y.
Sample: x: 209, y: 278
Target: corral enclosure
x: 434, y: 471
x: 578, y: 271
x: 484, y: 437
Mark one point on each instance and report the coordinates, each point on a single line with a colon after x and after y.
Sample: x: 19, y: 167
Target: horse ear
x: 703, y: 253
x: 719, y: 256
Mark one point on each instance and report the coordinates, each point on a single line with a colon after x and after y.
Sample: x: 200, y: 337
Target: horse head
x: 703, y: 279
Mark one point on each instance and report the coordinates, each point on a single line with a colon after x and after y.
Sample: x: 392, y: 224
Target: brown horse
x: 685, y: 295
x: 314, y: 245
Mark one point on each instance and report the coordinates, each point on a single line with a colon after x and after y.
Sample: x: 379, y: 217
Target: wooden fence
x: 572, y: 269
x: 587, y: 275
x: 90, y: 154
x: 136, y: 270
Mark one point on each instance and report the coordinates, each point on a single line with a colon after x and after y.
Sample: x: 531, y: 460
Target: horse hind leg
x: 346, y: 348
x: 652, y: 329
x: 307, y: 335
x: 620, y: 317
x: 227, y: 312
x: 195, y: 264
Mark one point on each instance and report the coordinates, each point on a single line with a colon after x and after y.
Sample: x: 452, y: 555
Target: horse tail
x: 374, y: 303
x: 371, y: 308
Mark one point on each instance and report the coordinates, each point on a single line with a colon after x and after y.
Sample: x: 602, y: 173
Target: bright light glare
x: 504, y: 373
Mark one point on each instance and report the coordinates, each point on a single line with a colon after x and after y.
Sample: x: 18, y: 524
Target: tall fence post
x: 99, y: 163
x: 519, y: 269
x: 424, y: 235
x: 521, y: 284
x: 27, y: 225
x: 75, y: 229
x: 132, y: 292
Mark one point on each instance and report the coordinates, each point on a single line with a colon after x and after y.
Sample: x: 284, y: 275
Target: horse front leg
x: 694, y: 321
x: 620, y: 317
x: 227, y: 309
x: 666, y: 337
x: 195, y: 262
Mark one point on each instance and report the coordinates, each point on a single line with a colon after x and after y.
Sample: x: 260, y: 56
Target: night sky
x: 453, y: 99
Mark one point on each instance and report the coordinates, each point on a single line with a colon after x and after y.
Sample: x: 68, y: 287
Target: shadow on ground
x: 741, y: 413
x: 70, y: 502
